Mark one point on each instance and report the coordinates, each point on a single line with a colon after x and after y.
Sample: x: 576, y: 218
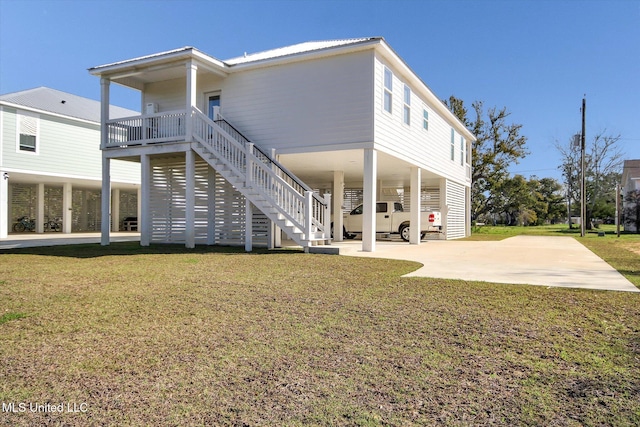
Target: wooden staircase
x: 303, y: 215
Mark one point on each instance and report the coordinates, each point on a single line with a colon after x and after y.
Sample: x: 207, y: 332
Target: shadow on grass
x: 95, y: 250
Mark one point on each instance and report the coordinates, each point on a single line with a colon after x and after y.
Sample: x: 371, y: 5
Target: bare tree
x: 603, y: 165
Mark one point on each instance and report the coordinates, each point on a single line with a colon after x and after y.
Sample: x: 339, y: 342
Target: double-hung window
x: 425, y: 119
x: 388, y: 90
x: 453, y: 144
x: 407, y: 105
x: 28, y: 132
x: 461, y: 151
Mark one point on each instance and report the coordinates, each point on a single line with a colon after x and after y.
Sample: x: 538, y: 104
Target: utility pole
x: 583, y: 196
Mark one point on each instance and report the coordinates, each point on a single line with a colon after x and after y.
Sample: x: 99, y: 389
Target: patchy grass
x: 169, y: 336
x: 11, y: 316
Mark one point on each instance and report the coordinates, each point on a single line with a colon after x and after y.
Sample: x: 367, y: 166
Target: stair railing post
x: 248, y: 165
x: 308, y: 214
x: 327, y: 217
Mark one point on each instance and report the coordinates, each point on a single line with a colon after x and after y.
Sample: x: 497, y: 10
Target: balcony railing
x: 145, y: 129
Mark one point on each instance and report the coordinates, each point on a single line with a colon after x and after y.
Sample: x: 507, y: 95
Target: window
x: 388, y: 89
x: 407, y: 105
x: 461, y: 151
x: 453, y: 145
x: 28, y: 133
x: 425, y: 119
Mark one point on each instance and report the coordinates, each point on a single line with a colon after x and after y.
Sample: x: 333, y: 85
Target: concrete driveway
x: 532, y: 260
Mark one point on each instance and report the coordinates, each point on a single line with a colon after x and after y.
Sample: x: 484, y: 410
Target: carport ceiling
x: 316, y: 169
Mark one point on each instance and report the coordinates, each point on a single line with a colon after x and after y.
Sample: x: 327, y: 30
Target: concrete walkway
x: 533, y: 260
x: 31, y: 240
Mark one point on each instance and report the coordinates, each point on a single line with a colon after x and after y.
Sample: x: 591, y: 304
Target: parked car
x: 391, y: 219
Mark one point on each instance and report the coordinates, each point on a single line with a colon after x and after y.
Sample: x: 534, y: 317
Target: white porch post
x: 415, y: 227
x: 338, y: 201
x: 190, y: 195
x: 192, y: 72
x: 115, y: 209
x: 248, y: 227
x: 4, y: 205
x: 106, y: 165
x: 40, y: 207
x: 144, y: 219
x: 105, y: 207
x: 67, y: 207
x: 369, y: 200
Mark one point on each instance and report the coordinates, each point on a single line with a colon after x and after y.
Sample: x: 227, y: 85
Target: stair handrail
x: 264, y: 156
x: 308, y: 211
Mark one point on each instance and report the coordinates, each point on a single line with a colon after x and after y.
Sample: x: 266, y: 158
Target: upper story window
x: 28, y: 127
x: 461, y: 151
x: 425, y: 119
x: 407, y: 105
x: 388, y: 90
x: 453, y: 144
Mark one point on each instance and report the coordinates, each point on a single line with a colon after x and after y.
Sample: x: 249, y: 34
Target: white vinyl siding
x: 304, y: 106
x: 431, y: 150
x: 65, y: 148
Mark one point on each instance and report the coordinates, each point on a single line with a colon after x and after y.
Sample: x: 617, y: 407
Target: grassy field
x: 125, y: 335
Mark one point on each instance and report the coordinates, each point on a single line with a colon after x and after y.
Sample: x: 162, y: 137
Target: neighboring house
x: 631, y: 185
x: 50, y: 163
x: 347, y: 118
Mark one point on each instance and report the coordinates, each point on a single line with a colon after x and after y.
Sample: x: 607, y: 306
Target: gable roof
x: 63, y: 104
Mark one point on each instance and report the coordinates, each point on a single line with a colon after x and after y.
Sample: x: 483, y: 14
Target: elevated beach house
x: 50, y: 164
x: 280, y: 143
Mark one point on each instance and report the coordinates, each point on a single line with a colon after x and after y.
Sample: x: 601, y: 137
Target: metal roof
x: 63, y: 103
x: 295, y: 49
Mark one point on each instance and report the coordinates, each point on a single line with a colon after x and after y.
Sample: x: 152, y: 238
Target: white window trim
x: 425, y: 120
x: 406, y: 110
x: 462, y: 146
x: 19, y: 115
x: 386, y: 91
x: 453, y: 145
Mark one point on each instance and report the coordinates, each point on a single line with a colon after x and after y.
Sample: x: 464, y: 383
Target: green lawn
x: 169, y: 336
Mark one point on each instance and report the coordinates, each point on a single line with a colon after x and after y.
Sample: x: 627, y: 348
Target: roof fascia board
x: 48, y: 113
x: 135, y: 66
x: 388, y: 53
x: 302, y: 56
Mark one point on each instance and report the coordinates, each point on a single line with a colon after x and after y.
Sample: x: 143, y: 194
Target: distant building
x: 50, y: 163
x: 234, y: 151
x: 630, y: 183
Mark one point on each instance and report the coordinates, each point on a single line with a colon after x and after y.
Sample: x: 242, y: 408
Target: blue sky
x: 537, y: 58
